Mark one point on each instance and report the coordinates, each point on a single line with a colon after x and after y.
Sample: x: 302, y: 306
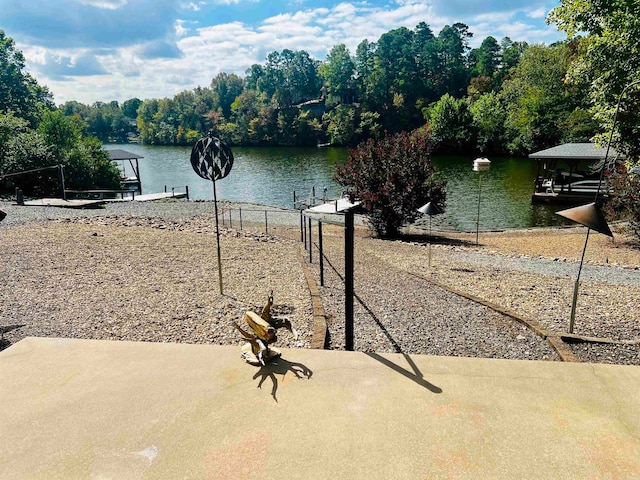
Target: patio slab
x: 127, y: 410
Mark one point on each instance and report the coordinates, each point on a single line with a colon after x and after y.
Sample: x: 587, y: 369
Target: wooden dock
x: 148, y: 197
x: 59, y: 202
x: 97, y: 203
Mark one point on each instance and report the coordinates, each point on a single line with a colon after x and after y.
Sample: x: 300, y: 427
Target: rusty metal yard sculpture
x: 263, y: 333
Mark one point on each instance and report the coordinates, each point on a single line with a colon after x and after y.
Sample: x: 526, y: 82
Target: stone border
x: 320, y: 331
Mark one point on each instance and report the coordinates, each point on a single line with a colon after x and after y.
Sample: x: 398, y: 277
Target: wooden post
x: 138, y: 176
x: 348, y: 279
x: 62, y: 187
x: 321, y: 254
x: 310, y: 243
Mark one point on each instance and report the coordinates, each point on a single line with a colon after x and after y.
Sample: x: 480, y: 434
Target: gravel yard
x: 147, y: 271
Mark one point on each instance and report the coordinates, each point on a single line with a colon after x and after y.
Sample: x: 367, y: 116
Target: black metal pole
x: 348, y: 280
x: 577, y: 285
x: 478, y: 220
x: 215, y: 203
x: 187, y: 191
x: 230, y: 218
x: 310, y: 243
x: 321, y: 254
x: 305, y: 234
x: 240, y: 218
x: 301, y: 227
x: 266, y: 223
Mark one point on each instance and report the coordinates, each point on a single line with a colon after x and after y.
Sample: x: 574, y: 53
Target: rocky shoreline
x: 147, y: 272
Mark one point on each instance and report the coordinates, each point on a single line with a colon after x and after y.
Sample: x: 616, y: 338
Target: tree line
x: 501, y: 97
x: 34, y: 135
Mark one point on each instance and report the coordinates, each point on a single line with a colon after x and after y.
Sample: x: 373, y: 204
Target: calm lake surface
x: 270, y: 176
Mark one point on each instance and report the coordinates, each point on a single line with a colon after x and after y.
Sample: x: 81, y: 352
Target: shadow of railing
x: 415, y: 376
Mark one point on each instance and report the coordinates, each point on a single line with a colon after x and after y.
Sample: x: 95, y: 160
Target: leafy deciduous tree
x: 392, y: 177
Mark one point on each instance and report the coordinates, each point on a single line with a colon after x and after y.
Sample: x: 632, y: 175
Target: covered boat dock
x: 559, y: 176
x: 122, y: 156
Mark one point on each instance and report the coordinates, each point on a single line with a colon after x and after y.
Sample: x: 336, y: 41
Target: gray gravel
x: 396, y: 310
x: 556, y: 268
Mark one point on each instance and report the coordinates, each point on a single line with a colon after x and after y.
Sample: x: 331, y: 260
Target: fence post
x: 186, y: 189
x: 165, y: 189
x: 173, y: 192
x: 305, y: 234
x: 301, y: 229
x: 240, y: 208
x: 266, y: 223
x: 230, y: 218
x: 321, y: 253
x: 310, y: 243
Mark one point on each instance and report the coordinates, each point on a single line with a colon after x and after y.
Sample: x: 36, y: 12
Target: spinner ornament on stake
x: 212, y: 160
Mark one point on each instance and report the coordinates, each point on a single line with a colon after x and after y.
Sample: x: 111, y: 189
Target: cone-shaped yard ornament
x: 588, y: 215
x: 591, y: 217
x: 429, y: 209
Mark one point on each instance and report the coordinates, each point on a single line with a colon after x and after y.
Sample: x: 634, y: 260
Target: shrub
x: 392, y: 177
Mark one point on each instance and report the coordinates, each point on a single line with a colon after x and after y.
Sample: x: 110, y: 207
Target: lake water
x: 270, y: 176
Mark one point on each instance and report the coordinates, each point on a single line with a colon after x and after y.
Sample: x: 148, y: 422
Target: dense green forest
x: 503, y: 96
x: 34, y: 135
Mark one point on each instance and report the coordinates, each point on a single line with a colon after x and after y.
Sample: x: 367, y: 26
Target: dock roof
x: 575, y: 151
x: 118, y: 154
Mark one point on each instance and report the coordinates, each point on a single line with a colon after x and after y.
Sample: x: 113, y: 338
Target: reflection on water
x: 270, y: 175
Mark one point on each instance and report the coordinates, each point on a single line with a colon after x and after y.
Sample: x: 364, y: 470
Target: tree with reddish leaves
x: 392, y: 177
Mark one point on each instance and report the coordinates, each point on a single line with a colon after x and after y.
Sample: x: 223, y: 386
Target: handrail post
x: 321, y: 253
x: 310, y: 243
x: 348, y: 279
x: 304, y: 223
x: 301, y: 228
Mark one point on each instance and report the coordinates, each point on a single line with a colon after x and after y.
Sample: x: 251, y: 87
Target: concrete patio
x: 125, y: 410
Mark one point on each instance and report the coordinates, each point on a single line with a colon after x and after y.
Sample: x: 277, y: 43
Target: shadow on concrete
x: 280, y: 366
x: 416, y: 375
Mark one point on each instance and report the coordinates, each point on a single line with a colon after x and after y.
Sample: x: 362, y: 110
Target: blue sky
x: 103, y: 50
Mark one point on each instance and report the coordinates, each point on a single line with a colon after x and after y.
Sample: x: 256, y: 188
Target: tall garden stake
x: 212, y: 160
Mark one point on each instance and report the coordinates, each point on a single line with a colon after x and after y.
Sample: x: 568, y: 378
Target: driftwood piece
x: 262, y: 333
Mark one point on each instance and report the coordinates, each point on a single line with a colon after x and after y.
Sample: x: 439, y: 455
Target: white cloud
x: 104, y: 4
x: 539, y: 13
x: 234, y: 46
